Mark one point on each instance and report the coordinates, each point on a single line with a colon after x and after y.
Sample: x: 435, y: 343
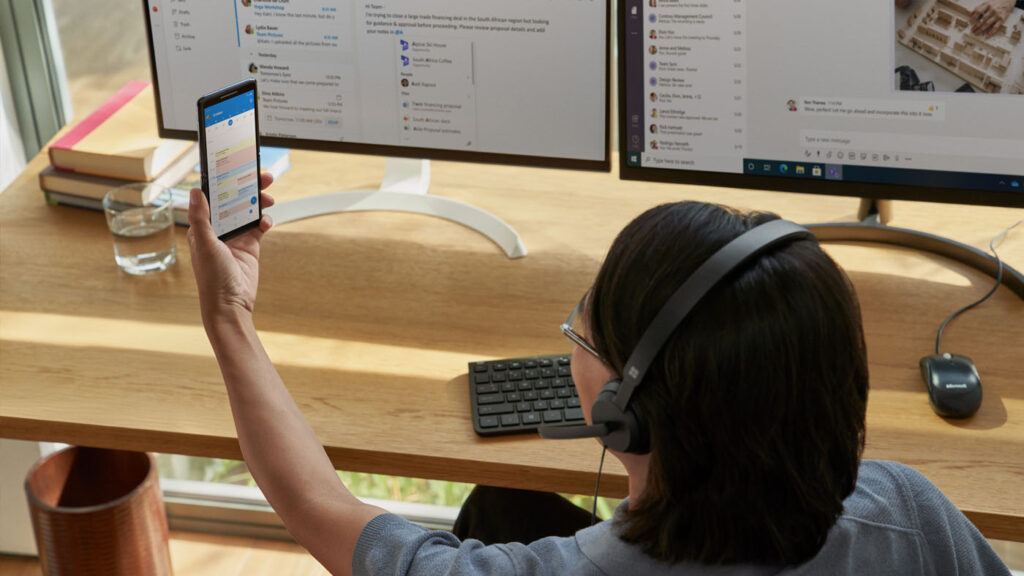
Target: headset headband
x: 731, y: 256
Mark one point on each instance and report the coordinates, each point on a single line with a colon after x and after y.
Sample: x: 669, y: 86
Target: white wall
x: 12, y: 154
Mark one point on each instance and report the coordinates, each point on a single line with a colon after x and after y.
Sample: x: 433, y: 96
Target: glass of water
x: 141, y: 218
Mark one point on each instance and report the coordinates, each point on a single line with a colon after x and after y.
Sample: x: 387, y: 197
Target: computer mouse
x: 954, y: 387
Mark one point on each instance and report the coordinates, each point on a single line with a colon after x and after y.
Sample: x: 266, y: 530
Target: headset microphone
x: 571, y: 432
x: 618, y: 424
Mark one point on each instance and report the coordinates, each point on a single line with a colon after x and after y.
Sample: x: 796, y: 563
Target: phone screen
x: 231, y: 163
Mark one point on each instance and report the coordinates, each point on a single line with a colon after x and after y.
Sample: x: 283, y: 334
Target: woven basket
x: 97, y: 511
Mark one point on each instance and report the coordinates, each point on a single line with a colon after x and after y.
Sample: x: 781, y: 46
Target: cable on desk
x: 999, y: 280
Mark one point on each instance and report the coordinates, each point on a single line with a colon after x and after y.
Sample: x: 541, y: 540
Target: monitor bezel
x: 604, y: 165
x: 874, y: 191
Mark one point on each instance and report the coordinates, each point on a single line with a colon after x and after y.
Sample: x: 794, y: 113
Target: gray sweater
x: 896, y: 522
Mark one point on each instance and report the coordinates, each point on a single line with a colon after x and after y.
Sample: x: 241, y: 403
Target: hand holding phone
x: 229, y: 157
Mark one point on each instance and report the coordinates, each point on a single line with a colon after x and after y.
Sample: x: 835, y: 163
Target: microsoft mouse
x: 954, y: 387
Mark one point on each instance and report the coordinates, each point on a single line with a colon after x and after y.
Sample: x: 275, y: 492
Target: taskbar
x: 883, y: 175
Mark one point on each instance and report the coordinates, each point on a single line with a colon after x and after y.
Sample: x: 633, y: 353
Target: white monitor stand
x: 404, y: 189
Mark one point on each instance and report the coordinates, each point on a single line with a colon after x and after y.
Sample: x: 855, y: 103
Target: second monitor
x: 904, y: 100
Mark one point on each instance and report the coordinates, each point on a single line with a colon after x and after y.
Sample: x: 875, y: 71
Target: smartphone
x: 229, y: 144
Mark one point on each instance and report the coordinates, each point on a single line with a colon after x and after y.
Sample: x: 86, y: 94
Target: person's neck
x: 636, y: 467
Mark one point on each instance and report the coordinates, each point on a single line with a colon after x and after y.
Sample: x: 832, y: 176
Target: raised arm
x: 281, y: 450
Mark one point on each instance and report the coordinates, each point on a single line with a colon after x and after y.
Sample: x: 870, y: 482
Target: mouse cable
x: 593, y: 511
x: 999, y: 280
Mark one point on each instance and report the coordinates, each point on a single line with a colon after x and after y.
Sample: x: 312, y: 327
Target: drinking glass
x: 141, y: 219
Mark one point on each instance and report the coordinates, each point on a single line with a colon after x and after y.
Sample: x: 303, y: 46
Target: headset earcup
x: 640, y: 434
x: 622, y: 425
x: 626, y: 433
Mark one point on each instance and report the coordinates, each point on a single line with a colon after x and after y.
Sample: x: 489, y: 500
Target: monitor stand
x: 874, y: 216
x: 404, y: 189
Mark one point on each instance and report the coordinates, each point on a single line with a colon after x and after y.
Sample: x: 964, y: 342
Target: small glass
x: 141, y: 218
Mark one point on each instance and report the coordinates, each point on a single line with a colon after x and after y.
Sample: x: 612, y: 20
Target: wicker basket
x: 97, y: 511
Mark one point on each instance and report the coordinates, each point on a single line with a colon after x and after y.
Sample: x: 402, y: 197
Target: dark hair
x: 756, y: 403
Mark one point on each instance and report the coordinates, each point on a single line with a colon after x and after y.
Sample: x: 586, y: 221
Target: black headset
x: 619, y: 426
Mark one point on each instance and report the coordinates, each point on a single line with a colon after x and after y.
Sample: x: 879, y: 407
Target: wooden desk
x: 372, y: 317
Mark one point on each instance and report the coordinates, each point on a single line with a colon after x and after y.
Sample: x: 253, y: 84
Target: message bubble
x: 308, y: 24
x: 292, y: 111
x: 868, y: 109
x: 304, y: 70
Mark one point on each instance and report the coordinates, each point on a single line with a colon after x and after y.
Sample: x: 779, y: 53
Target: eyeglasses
x: 573, y: 335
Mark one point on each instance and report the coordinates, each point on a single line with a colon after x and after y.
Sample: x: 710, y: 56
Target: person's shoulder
x: 879, y: 530
x: 893, y: 494
x: 898, y: 522
x: 897, y: 497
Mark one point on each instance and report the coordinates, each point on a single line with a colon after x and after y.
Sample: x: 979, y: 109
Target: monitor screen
x: 898, y: 99
x: 524, y: 82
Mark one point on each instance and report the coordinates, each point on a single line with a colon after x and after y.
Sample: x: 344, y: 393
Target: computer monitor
x: 880, y: 100
x: 833, y: 97
x: 524, y: 82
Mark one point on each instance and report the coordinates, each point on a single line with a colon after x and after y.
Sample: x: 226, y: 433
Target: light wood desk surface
x: 371, y: 319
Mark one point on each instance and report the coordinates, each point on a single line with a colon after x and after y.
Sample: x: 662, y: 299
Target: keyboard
x: 517, y: 395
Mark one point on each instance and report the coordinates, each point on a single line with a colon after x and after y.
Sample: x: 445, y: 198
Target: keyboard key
x: 531, y: 374
x: 540, y: 406
x: 573, y: 402
x: 482, y: 378
x: 553, y: 416
x: 572, y: 414
x: 565, y: 392
x: 523, y: 407
x: 541, y: 384
x: 547, y: 372
x: 513, y: 397
x: 508, y: 387
x: 515, y: 365
x: 530, y: 364
x: 499, y: 366
x: 523, y: 386
x: 509, y: 420
x: 531, y: 395
x: 547, y: 394
x: 487, y: 389
x: 564, y: 371
x: 492, y: 409
x: 489, y: 422
x: 515, y: 374
x: 531, y: 418
x: 498, y: 377
x: 480, y: 367
x: 556, y: 403
x: 563, y: 361
x: 559, y: 383
x: 546, y: 362
x: 490, y: 399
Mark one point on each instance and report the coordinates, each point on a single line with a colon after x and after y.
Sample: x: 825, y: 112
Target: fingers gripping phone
x: 229, y: 156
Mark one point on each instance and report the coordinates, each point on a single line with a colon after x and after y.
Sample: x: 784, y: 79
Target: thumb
x: 199, y: 215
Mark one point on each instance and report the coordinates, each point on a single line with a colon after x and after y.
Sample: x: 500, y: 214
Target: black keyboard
x: 519, y: 394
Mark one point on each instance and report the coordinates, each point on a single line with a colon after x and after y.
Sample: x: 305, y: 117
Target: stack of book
x: 119, y: 144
